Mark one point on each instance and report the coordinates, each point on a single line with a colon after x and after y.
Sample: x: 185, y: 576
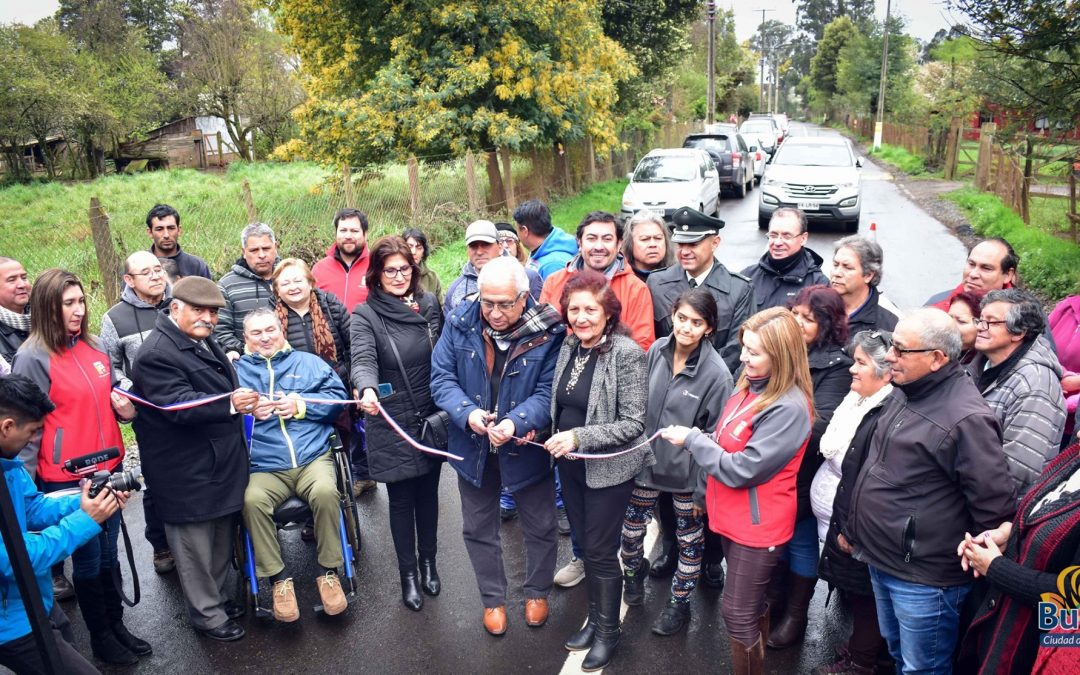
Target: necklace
x: 580, y: 361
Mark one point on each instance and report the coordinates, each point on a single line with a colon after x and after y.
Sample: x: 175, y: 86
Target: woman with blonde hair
x: 752, y: 461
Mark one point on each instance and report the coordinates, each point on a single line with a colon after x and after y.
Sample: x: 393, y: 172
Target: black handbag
x: 434, y: 428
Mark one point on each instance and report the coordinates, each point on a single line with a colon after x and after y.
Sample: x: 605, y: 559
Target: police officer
x: 697, y: 236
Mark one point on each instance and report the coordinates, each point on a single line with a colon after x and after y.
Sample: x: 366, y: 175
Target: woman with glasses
x: 647, y: 245
x: 65, y: 361
x: 856, y: 275
x: 418, y: 245
x: 819, y: 312
x: 752, y: 459
x: 598, y: 403
x: 393, y: 335
x: 964, y: 309
x: 843, y: 449
x: 688, y: 384
x: 511, y: 243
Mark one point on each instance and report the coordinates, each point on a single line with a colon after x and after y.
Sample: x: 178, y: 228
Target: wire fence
x: 298, y: 200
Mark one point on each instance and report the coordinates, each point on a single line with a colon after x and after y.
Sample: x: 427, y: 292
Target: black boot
x: 608, y: 603
x: 114, y: 609
x: 673, y: 619
x: 634, y: 585
x: 429, y: 577
x: 792, y: 628
x: 776, y: 591
x: 665, y: 563
x: 410, y: 590
x: 583, y: 639
x: 102, y: 640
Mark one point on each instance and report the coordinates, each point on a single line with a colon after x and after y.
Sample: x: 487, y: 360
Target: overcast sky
x: 924, y: 17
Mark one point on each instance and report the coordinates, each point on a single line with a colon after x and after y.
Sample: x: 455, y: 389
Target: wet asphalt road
x: 379, y: 635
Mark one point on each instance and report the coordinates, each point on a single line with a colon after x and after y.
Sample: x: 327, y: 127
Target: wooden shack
x: 195, y: 142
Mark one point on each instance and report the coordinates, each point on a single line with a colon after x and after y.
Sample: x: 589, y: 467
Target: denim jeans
x: 803, y: 551
x: 920, y: 623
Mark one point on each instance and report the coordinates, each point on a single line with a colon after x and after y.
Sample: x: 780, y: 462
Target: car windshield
x: 715, y: 144
x: 813, y: 154
x: 756, y: 128
x: 666, y: 169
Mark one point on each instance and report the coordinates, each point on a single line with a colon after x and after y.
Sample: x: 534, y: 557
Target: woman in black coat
x: 819, y: 310
x: 393, y: 335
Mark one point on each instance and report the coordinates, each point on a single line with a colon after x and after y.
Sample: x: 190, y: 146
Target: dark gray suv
x: 731, y: 156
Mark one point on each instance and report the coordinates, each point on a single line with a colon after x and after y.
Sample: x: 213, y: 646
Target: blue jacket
x: 461, y: 383
x: 53, y: 528
x: 278, y: 444
x: 554, y: 253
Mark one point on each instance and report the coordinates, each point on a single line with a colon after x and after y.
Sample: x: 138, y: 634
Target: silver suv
x: 818, y: 175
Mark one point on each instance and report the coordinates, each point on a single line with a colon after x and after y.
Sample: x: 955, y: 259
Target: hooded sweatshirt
x: 125, y: 326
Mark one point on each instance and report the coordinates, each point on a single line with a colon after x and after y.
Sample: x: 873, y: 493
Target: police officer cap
x: 198, y: 291
x: 689, y: 226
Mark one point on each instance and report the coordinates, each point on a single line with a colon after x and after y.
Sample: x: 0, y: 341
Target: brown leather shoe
x: 536, y: 611
x: 495, y: 620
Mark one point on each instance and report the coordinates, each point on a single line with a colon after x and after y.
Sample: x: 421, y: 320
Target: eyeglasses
x: 983, y: 324
x: 782, y: 236
x: 900, y: 351
x: 152, y: 272
x: 488, y: 305
x: 507, y: 239
x: 393, y: 272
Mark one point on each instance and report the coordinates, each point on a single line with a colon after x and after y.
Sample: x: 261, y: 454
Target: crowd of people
x: 782, y: 426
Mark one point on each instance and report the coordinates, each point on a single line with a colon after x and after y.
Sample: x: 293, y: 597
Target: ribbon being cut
x: 185, y: 405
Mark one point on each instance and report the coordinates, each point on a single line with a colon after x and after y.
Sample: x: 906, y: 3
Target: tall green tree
x: 858, y: 72
x: 823, y: 65
x: 390, y: 78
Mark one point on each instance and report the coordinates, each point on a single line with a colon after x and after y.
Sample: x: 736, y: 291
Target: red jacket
x: 347, y: 283
x: 633, y: 295
x: 79, y: 382
x: 760, y: 515
x: 945, y: 304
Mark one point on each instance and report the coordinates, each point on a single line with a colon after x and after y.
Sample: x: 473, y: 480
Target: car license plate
x: 807, y: 206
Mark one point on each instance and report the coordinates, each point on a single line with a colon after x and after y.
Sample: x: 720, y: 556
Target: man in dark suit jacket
x: 195, y: 460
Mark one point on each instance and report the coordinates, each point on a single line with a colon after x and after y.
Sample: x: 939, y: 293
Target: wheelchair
x: 292, y: 514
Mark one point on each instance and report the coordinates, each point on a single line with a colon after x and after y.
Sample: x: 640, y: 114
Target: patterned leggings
x: 689, y: 530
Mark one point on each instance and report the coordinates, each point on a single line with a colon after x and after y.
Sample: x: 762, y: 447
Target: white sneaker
x: 572, y: 574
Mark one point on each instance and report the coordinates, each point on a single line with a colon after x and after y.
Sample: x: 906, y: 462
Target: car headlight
x: 769, y: 199
x: 628, y: 200
x: 850, y: 201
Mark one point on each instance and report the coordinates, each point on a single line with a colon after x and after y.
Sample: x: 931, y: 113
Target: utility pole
x: 762, y: 96
x: 710, y: 115
x: 879, y: 124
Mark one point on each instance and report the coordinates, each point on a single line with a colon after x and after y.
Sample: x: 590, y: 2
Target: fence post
x: 1025, y: 187
x: 952, y: 148
x: 220, y: 150
x: 1074, y: 219
x: 346, y: 177
x: 249, y: 202
x: 591, y: 161
x: 508, y: 178
x: 108, y: 259
x: 986, y: 149
x: 470, y: 185
x: 414, y: 189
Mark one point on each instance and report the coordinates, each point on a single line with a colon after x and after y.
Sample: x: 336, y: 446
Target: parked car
x: 784, y: 122
x: 818, y: 175
x: 781, y: 128
x: 764, y: 128
x: 731, y: 156
x: 759, y: 156
x: 666, y: 180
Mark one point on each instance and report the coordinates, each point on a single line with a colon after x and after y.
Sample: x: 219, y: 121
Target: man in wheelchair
x: 290, y: 455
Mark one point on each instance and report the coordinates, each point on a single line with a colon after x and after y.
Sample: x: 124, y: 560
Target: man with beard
x: 343, y: 269
x: 788, y: 266
x: 14, y: 309
x: 599, y: 237
x: 246, y: 287
x: 163, y: 225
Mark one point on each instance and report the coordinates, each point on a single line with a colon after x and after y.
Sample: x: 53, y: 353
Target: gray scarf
x: 16, y: 321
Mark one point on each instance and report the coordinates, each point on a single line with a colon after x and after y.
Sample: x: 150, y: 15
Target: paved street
x: 379, y: 635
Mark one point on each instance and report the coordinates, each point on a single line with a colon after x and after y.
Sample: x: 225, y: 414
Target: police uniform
x: 733, y: 292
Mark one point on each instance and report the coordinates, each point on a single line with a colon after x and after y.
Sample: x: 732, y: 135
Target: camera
x: 121, y: 481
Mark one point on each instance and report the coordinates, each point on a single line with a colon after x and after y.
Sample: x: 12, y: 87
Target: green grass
x: 1048, y: 263
x: 448, y: 259
x: 913, y: 165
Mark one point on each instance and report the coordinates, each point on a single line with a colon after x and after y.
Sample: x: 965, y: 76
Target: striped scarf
x: 15, y: 320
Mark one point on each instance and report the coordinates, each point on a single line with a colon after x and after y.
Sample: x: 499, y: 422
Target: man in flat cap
x: 195, y: 459
x: 697, y: 236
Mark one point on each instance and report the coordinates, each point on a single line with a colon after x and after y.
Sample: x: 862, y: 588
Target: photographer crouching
x: 53, y: 528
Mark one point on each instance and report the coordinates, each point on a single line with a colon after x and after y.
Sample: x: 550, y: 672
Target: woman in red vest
x: 64, y: 360
x: 752, y: 461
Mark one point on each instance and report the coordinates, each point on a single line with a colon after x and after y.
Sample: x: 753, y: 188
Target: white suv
x: 818, y: 175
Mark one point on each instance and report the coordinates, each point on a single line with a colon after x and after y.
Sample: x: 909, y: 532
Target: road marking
x: 575, y: 659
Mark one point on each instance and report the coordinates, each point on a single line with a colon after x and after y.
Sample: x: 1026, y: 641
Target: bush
x: 1047, y: 263
x: 913, y: 165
